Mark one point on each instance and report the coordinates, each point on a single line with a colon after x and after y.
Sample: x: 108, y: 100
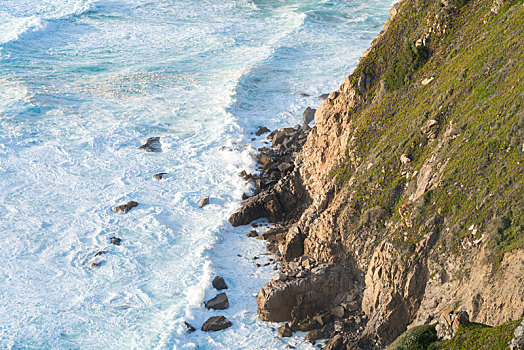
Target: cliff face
x: 413, y: 175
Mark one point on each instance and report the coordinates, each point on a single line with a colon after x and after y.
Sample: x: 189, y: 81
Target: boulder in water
x: 116, y: 240
x: 159, y: 176
x: 219, y: 283
x: 216, y: 323
x: 152, y: 145
x: 124, y: 208
x: 219, y: 302
x: 203, y: 202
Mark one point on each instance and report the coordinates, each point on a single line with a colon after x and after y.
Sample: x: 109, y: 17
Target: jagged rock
x: 335, y: 343
x: 252, y: 234
x: 293, y: 247
x: 316, y: 334
x: 264, y: 159
x: 285, y: 331
x: 219, y: 283
x: 308, y: 116
x: 265, y: 204
x: 203, y: 202
x: 308, y: 325
x: 283, y: 167
x: 152, y: 145
x: 262, y: 130
x: 159, y: 176
x: 279, y: 299
x: 449, y: 323
x: 337, y: 311
x: 124, y: 208
x: 216, y: 323
x: 323, y: 96
x: 190, y: 328
x: 116, y: 240
x: 219, y: 302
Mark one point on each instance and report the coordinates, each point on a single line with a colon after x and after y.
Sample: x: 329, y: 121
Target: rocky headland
x: 399, y: 216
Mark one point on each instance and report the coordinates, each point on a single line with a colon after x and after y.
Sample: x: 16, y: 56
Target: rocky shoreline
x: 318, y: 298
x: 385, y: 224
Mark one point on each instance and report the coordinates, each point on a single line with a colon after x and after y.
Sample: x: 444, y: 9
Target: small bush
x: 417, y: 338
x: 410, y: 59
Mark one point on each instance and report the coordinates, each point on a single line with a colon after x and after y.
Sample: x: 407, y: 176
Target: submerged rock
x: 216, y: 323
x: 252, y: 233
x: 159, y: 176
x: 262, y: 130
x: 116, y: 240
x: 219, y: 302
x: 152, y: 145
x: 190, y: 328
x: 219, y: 283
x: 124, y: 208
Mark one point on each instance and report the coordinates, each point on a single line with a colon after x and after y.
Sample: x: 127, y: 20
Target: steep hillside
x: 410, y: 185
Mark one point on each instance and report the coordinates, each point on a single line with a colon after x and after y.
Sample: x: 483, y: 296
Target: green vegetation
x: 474, y: 336
x: 476, y: 148
x: 417, y: 338
x: 478, y: 336
x: 408, y: 61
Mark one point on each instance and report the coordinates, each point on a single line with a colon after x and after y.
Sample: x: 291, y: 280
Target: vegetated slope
x: 415, y: 169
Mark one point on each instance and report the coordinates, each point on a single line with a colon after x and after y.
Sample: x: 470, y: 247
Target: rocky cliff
x: 407, y: 197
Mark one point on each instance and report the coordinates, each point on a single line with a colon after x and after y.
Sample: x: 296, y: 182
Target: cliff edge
x: 407, y: 196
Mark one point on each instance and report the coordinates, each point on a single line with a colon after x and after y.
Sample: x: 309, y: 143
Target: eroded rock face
x: 394, y: 288
x: 285, y: 298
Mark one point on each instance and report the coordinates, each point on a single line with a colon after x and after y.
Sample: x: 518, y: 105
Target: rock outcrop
x: 219, y: 302
x: 124, y: 208
x: 216, y: 323
x: 405, y: 199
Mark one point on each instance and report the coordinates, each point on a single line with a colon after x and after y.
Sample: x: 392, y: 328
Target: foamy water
x: 82, y: 85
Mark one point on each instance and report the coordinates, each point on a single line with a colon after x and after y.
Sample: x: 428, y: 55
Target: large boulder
x: 265, y: 204
x: 219, y: 283
x: 219, y: 302
x: 287, y: 297
x: 216, y: 323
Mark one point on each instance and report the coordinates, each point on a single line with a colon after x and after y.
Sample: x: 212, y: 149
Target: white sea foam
x: 87, y: 83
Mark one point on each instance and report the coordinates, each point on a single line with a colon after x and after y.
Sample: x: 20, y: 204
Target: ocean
x: 83, y: 83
